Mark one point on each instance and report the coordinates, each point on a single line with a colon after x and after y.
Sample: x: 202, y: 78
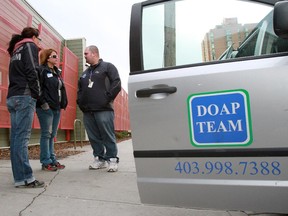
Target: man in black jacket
x: 97, y: 88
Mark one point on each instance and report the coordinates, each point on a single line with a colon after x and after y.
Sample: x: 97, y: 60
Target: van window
x: 262, y: 40
x: 177, y: 33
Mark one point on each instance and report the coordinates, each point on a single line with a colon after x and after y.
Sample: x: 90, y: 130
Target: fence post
x: 79, y: 121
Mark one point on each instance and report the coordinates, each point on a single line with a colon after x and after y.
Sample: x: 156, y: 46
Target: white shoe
x: 112, y: 165
x: 97, y: 164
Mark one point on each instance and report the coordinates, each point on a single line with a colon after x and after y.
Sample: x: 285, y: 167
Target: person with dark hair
x: 52, y: 99
x: 23, y: 92
x: 97, y: 88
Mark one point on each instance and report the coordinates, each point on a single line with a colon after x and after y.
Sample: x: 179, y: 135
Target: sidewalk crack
x: 38, y: 195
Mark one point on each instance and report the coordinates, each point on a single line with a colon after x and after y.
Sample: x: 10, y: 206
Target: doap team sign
x: 220, y: 119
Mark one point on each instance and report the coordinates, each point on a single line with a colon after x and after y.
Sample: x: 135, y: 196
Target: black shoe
x: 34, y: 184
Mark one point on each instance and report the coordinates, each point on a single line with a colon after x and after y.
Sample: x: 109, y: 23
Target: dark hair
x: 27, y: 32
x: 45, y: 54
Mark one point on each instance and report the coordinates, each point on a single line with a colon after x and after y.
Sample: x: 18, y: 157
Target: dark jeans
x: 101, y: 134
x: 21, y: 110
x: 49, y: 121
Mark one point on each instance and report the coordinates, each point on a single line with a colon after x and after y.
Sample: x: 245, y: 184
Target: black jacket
x: 106, y: 85
x: 49, y: 82
x: 23, y: 70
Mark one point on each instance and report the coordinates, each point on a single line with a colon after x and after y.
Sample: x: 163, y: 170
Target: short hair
x: 45, y: 54
x: 93, y: 49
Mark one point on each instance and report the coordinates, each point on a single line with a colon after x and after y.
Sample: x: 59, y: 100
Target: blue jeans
x: 49, y: 121
x: 101, y: 134
x: 21, y: 110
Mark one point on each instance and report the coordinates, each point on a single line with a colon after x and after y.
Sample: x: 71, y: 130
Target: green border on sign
x: 248, y: 116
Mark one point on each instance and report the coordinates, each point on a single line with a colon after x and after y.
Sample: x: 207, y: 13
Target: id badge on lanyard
x: 90, y: 85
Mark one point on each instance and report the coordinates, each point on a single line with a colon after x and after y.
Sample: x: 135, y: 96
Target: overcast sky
x: 104, y: 23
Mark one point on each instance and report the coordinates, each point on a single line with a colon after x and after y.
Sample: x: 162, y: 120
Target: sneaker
x: 112, y: 165
x: 34, y: 184
x: 97, y: 164
x: 49, y: 167
x: 59, y: 166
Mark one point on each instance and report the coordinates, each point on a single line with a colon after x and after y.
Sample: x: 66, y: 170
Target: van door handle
x: 147, y: 92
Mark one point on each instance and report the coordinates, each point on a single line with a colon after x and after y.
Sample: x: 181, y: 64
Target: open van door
x: 210, y: 132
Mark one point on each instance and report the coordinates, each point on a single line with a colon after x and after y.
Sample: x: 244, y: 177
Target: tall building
x: 217, y: 40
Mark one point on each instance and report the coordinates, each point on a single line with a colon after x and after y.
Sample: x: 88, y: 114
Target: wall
x: 14, y: 16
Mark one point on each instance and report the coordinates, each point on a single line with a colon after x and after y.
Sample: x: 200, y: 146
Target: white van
x: 208, y: 102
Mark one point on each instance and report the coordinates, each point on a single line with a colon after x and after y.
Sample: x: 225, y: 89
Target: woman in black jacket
x: 52, y: 99
x: 23, y: 91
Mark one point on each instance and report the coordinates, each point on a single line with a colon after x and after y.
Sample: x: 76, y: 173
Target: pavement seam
x: 231, y: 214
x: 38, y: 195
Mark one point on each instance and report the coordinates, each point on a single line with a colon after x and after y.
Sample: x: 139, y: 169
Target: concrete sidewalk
x: 77, y: 191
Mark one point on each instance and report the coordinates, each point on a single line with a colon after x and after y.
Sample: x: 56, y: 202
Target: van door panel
x: 217, y: 138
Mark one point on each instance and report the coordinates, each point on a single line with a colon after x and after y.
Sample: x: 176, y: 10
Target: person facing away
x: 98, y: 86
x: 23, y: 91
x: 52, y: 99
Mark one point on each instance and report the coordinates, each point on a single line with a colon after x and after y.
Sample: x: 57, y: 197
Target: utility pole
x: 169, y: 35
